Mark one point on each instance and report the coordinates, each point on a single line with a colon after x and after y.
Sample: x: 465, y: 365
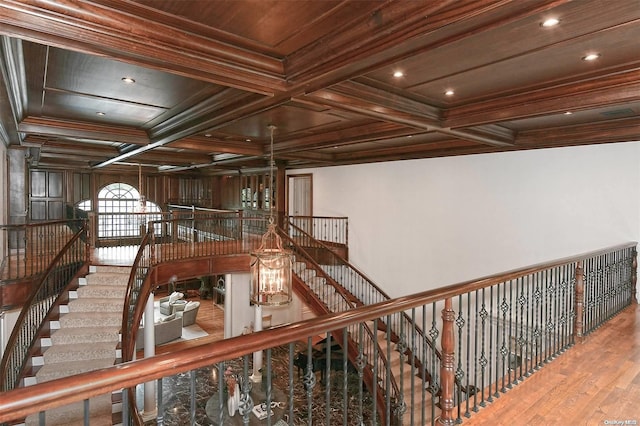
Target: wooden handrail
x: 34, y: 297
x: 21, y: 402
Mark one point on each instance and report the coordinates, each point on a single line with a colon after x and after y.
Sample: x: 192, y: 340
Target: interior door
x: 300, y: 197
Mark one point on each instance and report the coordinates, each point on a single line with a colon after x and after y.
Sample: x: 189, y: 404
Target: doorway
x: 299, y: 200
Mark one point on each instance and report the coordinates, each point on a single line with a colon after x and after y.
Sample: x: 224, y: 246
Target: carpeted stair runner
x: 85, y: 338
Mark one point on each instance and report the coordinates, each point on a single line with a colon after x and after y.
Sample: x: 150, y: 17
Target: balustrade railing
x: 67, y: 262
x: 493, y: 332
x: 329, y: 230
x: 347, y: 279
x: 31, y: 247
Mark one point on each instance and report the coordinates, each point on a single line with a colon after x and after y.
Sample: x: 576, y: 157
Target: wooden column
x: 447, y: 366
x: 578, y: 325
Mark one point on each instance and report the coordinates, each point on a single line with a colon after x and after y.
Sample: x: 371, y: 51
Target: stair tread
x: 64, y: 369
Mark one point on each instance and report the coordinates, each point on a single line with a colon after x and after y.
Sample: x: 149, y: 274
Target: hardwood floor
x: 596, y: 382
x: 210, y: 318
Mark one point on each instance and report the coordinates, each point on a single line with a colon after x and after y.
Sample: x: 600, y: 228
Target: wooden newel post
x: 447, y: 366
x: 578, y: 325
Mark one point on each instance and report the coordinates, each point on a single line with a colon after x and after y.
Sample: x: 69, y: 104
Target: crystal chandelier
x: 271, y: 264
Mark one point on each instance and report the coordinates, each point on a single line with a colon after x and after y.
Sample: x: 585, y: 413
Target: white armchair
x: 167, y: 303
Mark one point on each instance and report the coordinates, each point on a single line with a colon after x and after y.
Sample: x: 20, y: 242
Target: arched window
x: 116, y: 203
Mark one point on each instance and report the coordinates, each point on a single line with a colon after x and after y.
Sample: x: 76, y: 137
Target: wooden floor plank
x: 596, y: 382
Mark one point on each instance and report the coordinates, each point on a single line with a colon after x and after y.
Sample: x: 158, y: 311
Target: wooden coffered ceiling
x: 212, y: 75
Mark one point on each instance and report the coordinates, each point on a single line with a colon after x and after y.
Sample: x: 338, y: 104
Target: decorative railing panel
x: 64, y: 266
x: 493, y: 332
x: 30, y: 248
x: 329, y: 230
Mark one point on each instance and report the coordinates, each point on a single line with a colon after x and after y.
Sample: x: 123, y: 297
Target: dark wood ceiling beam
x: 10, y: 100
x: 392, y: 115
x: 365, y: 131
x: 84, y: 130
x: 370, y: 33
x: 595, y: 92
x: 175, y: 46
x: 214, y: 145
x: 308, y: 156
x: 328, y: 62
x: 219, y: 119
x: 621, y: 130
x: 80, y: 157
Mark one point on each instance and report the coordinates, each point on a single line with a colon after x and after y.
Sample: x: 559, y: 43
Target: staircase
x: 85, y: 338
x: 335, y: 302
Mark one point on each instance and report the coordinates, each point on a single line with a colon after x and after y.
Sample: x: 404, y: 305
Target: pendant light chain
x: 271, y: 164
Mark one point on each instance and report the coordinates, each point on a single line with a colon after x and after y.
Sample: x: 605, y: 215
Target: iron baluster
x: 361, y: 362
x: 327, y: 384
x: 309, y: 380
x: 504, y: 351
x: 269, y: 389
x: 160, y: 407
x: 246, y: 402
x: 291, y: 384
x: 483, y: 358
x: 490, y: 397
x: 193, y: 398
x: 345, y: 376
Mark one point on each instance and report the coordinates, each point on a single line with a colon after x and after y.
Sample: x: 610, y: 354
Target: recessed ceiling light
x: 128, y: 80
x: 247, y: 140
x: 207, y: 135
x: 449, y: 92
x: 100, y: 113
x: 591, y: 57
x: 568, y: 113
x: 551, y: 22
x: 398, y: 74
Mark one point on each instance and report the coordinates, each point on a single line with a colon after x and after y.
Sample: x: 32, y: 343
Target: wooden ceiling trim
x: 378, y: 96
x: 85, y: 130
x: 107, y: 32
x: 192, y: 119
x: 621, y: 130
x: 8, y: 127
x: 216, y: 145
x: 363, y: 36
x: 221, y: 118
x: 342, y: 102
x: 605, y: 90
x: 241, y: 108
x: 445, y: 150
x: 348, y: 66
x: 357, y: 133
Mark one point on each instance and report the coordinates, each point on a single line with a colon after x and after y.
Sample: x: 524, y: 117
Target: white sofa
x: 166, y: 330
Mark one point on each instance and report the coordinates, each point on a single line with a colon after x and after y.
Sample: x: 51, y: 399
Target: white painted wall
x: 422, y: 224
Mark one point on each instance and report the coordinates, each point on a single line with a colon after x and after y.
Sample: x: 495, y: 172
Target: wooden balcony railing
x: 492, y: 332
x: 43, y: 301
